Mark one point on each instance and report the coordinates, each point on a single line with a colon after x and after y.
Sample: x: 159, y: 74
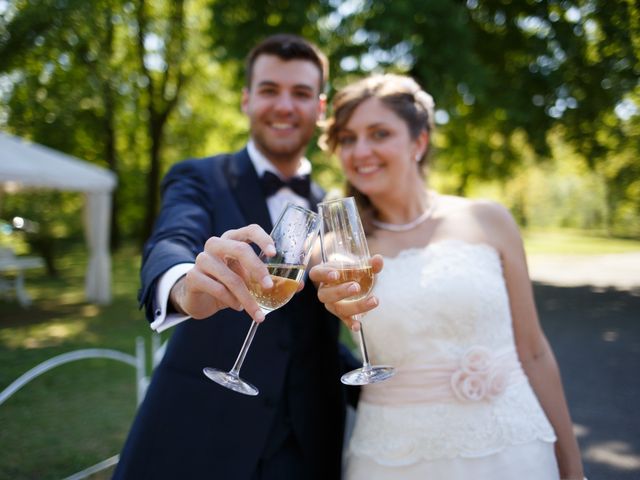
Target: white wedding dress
x: 460, y: 405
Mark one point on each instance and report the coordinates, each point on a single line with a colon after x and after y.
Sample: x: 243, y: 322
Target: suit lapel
x: 316, y: 196
x: 245, y: 186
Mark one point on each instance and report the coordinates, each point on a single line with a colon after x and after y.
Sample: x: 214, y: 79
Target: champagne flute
x: 344, y: 247
x: 294, y: 235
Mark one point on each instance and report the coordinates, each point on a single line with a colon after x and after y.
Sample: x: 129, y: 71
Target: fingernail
x: 267, y: 282
x: 258, y: 316
x: 333, y: 275
x: 372, y: 302
x: 270, y: 250
x: 354, y: 288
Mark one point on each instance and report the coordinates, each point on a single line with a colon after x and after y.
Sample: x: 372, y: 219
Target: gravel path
x: 589, y: 308
x: 620, y: 270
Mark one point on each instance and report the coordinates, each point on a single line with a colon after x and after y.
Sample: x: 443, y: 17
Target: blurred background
x: 537, y: 106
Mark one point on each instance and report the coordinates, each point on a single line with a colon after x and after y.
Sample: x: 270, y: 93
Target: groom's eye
x: 303, y: 93
x: 267, y: 91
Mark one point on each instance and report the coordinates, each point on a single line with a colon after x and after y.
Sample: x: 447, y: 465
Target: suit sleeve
x: 183, y: 226
x: 349, y: 362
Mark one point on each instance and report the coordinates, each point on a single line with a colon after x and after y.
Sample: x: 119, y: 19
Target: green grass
x: 78, y: 414
x: 575, y: 243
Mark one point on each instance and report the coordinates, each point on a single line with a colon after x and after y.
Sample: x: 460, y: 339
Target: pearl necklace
x: 405, y: 227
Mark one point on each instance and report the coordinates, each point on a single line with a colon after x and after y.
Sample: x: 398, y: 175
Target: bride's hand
x: 333, y: 295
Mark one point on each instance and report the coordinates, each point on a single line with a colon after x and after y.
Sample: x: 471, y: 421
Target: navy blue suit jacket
x: 188, y: 427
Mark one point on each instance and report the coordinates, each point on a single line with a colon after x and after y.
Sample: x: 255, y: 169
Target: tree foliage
x: 118, y: 83
x: 135, y: 85
x: 500, y: 71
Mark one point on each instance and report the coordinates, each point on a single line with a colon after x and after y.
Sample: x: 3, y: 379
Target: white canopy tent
x: 29, y: 165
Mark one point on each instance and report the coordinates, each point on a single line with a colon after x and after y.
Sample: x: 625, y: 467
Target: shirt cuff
x: 168, y: 279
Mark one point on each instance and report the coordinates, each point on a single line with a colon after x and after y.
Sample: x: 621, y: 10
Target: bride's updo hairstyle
x: 400, y: 94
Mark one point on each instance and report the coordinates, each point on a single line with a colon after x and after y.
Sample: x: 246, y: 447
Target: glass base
x: 230, y: 381
x: 362, y: 376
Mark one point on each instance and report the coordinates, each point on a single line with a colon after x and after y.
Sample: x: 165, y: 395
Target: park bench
x: 12, y: 269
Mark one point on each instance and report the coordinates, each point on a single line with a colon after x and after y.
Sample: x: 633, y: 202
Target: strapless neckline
x: 434, y: 296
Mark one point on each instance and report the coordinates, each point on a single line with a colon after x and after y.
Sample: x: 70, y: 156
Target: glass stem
x: 366, y: 366
x: 235, y: 370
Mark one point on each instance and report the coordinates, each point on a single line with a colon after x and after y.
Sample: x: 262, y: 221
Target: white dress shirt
x: 275, y: 204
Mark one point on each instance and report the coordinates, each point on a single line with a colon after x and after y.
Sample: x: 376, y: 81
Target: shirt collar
x: 262, y: 164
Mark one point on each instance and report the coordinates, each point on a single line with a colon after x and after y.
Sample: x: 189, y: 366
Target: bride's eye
x: 346, y: 140
x: 380, y: 134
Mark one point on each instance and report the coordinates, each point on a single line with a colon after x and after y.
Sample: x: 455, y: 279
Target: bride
x: 477, y: 392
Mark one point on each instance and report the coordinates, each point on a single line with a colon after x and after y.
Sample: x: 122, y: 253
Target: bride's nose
x: 361, y: 148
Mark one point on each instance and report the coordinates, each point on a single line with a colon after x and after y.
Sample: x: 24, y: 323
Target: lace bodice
x: 437, y: 304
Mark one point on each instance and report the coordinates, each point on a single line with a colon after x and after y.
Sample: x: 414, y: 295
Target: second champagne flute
x: 293, y: 235
x: 344, y: 247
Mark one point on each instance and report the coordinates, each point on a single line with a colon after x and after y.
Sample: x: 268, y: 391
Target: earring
x: 417, y: 158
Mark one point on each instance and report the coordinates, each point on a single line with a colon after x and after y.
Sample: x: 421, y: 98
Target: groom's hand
x: 218, y: 278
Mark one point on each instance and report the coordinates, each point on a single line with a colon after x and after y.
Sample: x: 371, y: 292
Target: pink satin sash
x: 477, y: 375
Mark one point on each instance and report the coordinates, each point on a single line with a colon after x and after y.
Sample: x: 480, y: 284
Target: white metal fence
x: 137, y: 361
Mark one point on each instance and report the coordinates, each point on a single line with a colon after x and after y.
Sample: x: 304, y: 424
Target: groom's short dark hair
x: 287, y: 46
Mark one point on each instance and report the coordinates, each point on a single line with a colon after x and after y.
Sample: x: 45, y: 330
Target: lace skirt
x: 531, y: 461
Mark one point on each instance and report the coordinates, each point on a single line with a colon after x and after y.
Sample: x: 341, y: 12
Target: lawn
x: 78, y: 414
x: 575, y: 242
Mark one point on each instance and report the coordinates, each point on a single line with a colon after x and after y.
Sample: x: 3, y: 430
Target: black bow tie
x: 271, y: 183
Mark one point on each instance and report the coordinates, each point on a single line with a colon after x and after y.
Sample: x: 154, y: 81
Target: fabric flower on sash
x: 479, y: 376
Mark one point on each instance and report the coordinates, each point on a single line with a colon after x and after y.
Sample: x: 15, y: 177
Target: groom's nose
x: 284, y: 102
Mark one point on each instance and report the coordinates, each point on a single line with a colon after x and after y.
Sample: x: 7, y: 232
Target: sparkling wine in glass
x: 344, y: 248
x: 293, y: 235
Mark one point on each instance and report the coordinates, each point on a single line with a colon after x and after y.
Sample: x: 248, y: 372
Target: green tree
x: 137, y: 84
x: 103, y: 79
x: 61, y: 58
x: 500, y: 72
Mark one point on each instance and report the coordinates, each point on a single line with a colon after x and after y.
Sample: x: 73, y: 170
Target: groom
x: 189, y: 427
